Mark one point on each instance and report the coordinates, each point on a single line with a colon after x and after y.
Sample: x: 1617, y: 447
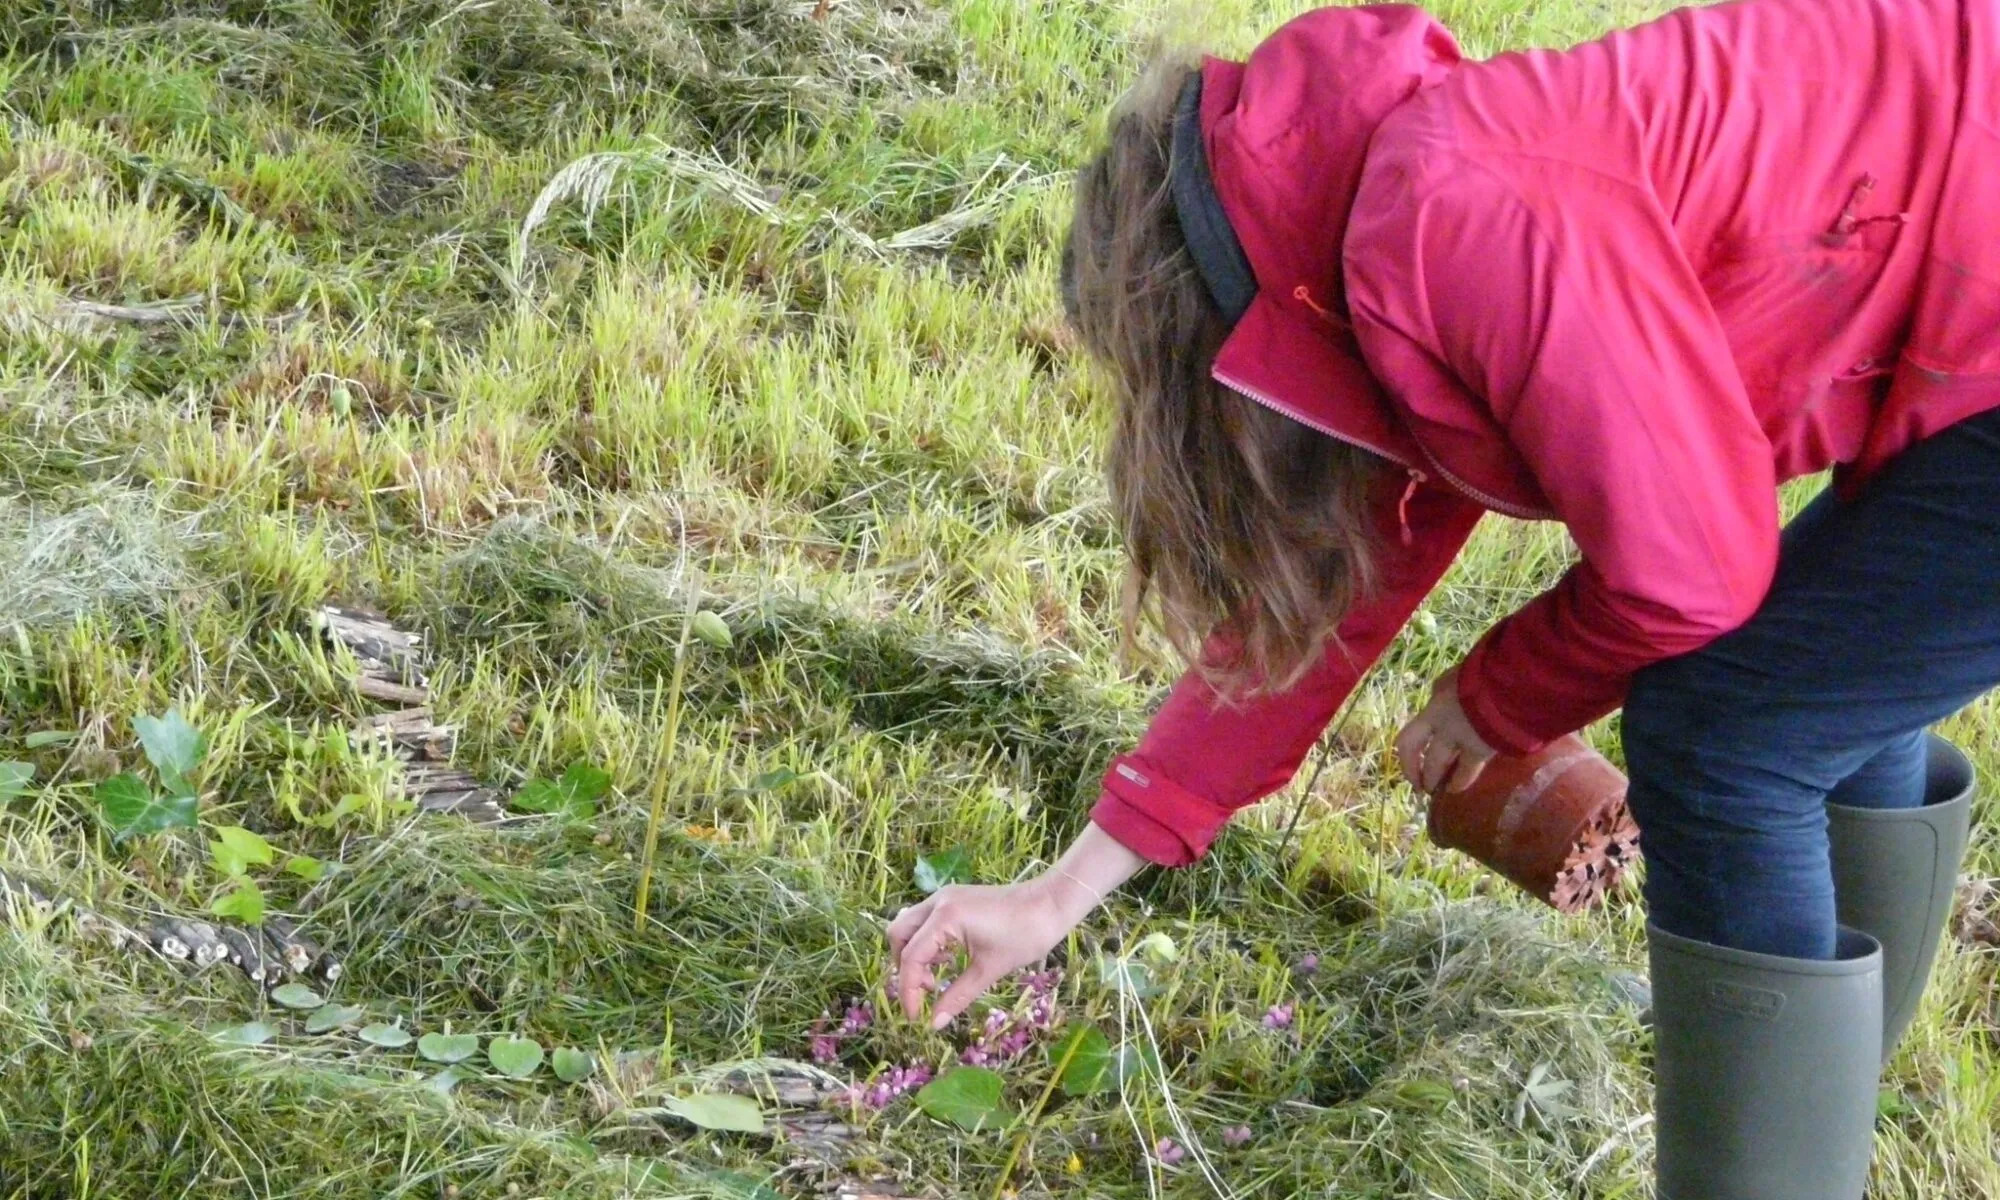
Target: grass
x: 528, y: 320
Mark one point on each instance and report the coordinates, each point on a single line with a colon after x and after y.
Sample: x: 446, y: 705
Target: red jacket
x: 1630, y: 286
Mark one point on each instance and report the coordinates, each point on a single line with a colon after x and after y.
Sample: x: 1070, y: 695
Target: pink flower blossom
x: 1169, y: 1152
x: 1279, y: 1017
x: 1236, y: 1135
x: 897, y: 1081
x: 859, y: 1017
x: 1308, y: 965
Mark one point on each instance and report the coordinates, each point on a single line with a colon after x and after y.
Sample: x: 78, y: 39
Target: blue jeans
x: 1883, y: 619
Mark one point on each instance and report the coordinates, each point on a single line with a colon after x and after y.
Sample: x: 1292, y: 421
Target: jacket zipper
x: 1416, y: 474
x: 1251, y: 393
x: 1474, y: 494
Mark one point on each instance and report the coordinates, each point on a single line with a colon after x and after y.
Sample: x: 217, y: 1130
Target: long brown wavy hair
x: 1237, y: 520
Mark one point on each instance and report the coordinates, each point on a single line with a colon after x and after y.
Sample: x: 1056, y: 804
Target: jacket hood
x: 1286, y: 135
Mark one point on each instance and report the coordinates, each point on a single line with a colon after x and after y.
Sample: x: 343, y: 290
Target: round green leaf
x: 514, y: 1057
x: 573, y: 1065
x: 331, y: 1017
x: 713, y: 629
x: 448, y: 1047
x: 968, y: 1097
x: 716, y: 1110
x: 253, y: 1033
x: 445, y: 1080
x: 296, y: 995
x: 389, y: 1037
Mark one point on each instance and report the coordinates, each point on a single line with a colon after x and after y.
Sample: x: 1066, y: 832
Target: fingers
x: 1410, y: 748
x: 1470, y: 768
x: 963, y: 991
x: 1440, y: 756
x: 913, y: 969
x: 906, y: 924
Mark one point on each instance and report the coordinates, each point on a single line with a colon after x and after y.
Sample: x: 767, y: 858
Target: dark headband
x: 1204, y: 226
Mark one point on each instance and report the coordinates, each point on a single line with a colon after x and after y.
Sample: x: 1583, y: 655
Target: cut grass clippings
x: 538, y: 327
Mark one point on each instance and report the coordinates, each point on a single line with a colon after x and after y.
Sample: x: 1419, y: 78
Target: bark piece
x: 411, y: 734
x: 196, y: 942
x: 390, y: 659
x: 300, y: 954
x: 248, y: 952
x: 443, y: 788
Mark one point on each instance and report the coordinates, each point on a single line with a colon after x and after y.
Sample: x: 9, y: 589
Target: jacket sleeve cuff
x: 1485, y: 709
x: 1154, y: 817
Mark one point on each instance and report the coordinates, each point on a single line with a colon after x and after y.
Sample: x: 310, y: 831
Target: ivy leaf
x: 245, y: 902
x: 174, y: 747
x: 938, y: 870
x: 445, y: 1080
x: 1090, y: 1064
x: 574, y: 795
x: 448, y: 1047
x: 573, y: 1065
x: 236, y: 850
x: 514, y: 1057
x: 968, y: 1097
x: 389, y: 1037
x: 14, y: 779
x: 306, y: 867
x: 715, y: 1110
x: 296, y: 995
x: 332, y: 1017
x: 130, y: 807
x: 254, y: 1033
x: 1157, y: 946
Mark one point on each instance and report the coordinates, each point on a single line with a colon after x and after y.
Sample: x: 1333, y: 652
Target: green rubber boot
x: 1894, y: 872
x: 1764, y: 1070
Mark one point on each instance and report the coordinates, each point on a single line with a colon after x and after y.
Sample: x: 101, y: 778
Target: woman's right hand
x: 1002, y: 928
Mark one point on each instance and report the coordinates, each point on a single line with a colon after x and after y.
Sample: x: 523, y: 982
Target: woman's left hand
x: 1439, y: 748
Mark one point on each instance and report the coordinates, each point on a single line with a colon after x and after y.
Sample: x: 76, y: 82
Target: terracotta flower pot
x: 1554, y: 822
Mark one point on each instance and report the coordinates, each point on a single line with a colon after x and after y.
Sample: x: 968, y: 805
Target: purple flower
x: 825, y: 1049
x: 1280, y: 1017
x: 1236, y: 1135
x: 897, y: 1081
x: 859, y: 1017
x: 1041, y: 983
x: 1169, y: 1152
x: 1308, y: 965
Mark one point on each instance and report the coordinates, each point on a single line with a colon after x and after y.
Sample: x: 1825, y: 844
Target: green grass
x: 527, y: 320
